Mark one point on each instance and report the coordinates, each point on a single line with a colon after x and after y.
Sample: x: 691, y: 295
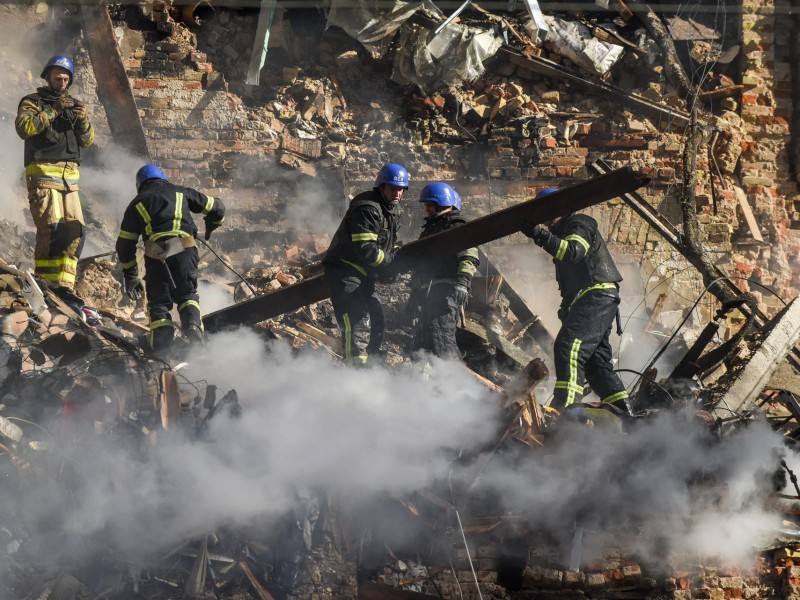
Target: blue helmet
x: 149, y: 172
x: 393, y: 174
x: 546, y: 192
x: 442, y: 194
x: 59, y: 60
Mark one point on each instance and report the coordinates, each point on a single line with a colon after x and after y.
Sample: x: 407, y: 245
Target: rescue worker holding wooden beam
x: 55, y: 126
x: 361, y: 251
x: 440, y: 287
x: 160, y: 214
x: 589, y: 283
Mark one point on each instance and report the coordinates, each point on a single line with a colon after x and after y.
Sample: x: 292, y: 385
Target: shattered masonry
x: 506, y: 124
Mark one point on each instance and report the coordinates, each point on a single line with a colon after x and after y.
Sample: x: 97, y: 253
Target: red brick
x: 192, y: 85
x: 568, y: 161
x: 146, y: 84
x: 550, y: 142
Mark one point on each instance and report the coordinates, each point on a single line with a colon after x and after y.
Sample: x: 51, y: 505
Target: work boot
x: 194, y: 335
x: 619, y: 408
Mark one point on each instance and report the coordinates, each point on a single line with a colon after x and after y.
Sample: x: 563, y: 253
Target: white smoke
x: 310, y: 423
x: 668, y: 479
x: 307, y: 422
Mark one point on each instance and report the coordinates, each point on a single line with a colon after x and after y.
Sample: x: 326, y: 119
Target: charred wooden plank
x: 113, y: 86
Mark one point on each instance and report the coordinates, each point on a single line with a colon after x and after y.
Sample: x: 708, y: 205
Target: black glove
x: 534, y: 231
x: 460, y: 294
x: 388, y: 257
x: 62, y: 103
x: 210, y: 227
x: 132, y: 285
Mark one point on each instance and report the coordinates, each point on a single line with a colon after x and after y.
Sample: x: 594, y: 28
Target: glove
x: 210, y: 227
x: 388, y: 257
x: 132, y: 284
x: 533, y: 230
x: 62, y: 103
x: 81, y: 111
x: 460, y: 295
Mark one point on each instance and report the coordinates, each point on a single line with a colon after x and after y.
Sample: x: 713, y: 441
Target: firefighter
x: 589, y: 283
x: 441, y: 285
x: 55, y: 126
x: 160, y: 215
x: 361, y: 251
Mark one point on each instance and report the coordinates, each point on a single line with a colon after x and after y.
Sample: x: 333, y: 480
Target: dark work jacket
x: 162, y: 209
x: 57, y: 142
x: 580, y: 255
x: 366, y: 234
x: 454, y: 268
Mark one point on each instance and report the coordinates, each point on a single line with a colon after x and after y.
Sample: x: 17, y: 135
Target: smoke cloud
x: 684, y: 493
x: 309, y: 423
x: 359, y: 433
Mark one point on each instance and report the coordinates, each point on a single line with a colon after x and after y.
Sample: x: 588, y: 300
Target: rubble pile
x: 502, y: 103
x: 68, y: 380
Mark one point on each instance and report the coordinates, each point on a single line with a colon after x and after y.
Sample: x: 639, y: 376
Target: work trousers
x: 440, y: 314
x: 358, y: 311
x: 168, y: 282
x: 59, y: 224
x: 582, y: 351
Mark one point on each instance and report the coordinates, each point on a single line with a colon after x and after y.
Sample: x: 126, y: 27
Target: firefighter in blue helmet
x: 589, y: 283
x: 55, y: 127
x: 440, y: 287
x: 160, y: 214
x: 363, y: 249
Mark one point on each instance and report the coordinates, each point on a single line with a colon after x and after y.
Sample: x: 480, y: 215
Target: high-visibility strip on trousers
x: 59, y: 222
x: 582, y: 351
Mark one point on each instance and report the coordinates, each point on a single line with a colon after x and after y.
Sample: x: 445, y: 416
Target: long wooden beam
x: 113, y: 87
x: 480, y: 231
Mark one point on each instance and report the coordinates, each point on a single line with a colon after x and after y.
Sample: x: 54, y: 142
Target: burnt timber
x: 480, y: 231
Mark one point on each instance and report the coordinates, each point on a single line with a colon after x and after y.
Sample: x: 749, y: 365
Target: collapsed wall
x: 326, y: 116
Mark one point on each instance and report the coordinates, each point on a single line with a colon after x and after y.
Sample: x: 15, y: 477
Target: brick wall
x: 244, y: 145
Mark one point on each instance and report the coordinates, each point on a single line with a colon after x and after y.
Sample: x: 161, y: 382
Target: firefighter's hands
x: 62, y: 103
x: 210, y: 227
x: 132, y: 284
x: 534, y: 231
x: 81, y: 111
x: 387, y: 271
x: 460, y: 294
x: 389, y: 256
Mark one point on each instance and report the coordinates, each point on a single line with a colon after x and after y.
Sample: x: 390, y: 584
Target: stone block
x: 552, y: 578
x: 631, y: 574
x: 594, y: 580
x: 573, y: 579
